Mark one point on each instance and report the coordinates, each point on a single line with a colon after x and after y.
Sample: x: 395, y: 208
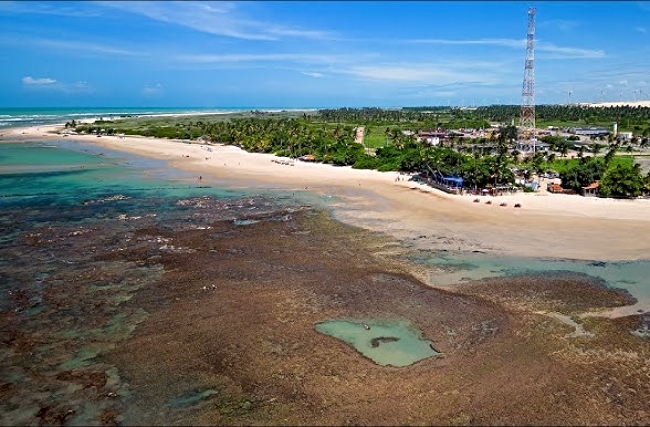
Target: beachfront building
x: 625, y: 136
x: 447, y: 183
x: 590, y: 131
x: 431, y: 137
x: 590, y: 190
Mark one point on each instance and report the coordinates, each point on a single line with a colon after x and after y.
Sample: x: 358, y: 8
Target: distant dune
x: 621, y: 103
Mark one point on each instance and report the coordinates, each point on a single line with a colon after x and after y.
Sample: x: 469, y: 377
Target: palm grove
x: 391, y: 142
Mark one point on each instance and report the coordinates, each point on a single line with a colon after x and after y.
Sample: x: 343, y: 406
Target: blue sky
x: 300, y: 54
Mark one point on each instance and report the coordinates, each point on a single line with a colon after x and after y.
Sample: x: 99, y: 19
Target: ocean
x: 73, y: 217
x: 23, y: 117
x: 67, y: 211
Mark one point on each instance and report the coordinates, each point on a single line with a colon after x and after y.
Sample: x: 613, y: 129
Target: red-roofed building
x: 591, y: 190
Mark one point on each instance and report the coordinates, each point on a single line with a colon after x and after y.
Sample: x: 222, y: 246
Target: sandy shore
x: 546, y: 225
x: 216, y: 331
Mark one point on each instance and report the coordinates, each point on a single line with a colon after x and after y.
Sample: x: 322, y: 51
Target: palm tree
x: 515, y: 155
x: 396, y: 136
x: 596, y: 148
x: 551, y: 158
x: 564, y: 150
x: 610, y: 154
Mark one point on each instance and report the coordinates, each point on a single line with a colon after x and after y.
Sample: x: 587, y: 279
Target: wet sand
x: 249, y: 345
x: 547, y: 225
x: 223, y: 333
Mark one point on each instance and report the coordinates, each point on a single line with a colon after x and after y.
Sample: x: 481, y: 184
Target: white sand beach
x: 546, y: 225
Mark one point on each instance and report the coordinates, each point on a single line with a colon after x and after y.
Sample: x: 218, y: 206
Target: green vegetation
x: 391, y: 142
x: 622, y: 181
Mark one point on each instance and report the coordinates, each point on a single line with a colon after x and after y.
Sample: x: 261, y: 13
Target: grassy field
x: 376, y: 137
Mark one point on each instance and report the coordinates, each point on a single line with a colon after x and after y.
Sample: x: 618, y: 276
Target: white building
x: 626, y: 136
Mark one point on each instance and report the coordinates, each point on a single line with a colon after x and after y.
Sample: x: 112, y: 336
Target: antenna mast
x: 527, y: 120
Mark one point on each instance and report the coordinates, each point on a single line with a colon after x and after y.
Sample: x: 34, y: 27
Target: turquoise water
x: 64, y: 172
x: 455, y: 269
x: 192, y: 398
x: 385, y: 343
x: 65, y: 301
x: 68, y: 306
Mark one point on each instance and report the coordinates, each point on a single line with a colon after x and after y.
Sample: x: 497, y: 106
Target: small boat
x: 366, y: 326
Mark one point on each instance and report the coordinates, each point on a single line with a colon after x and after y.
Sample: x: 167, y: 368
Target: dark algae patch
x: 168, y: 348
x: 158, y: 309
x: 564, y: 292
x: 376, y: 341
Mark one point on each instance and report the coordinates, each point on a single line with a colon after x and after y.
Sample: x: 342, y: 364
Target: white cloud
x: 444, y: 93
x: 156, y: 89
x: 40, y: 8
x: 514, y: 43
x: 85, y: 47
x: 312, y: 74
x: 623, y: 82
x: 30, y: 81
x: 14, y: 39
x: 222, y: 18
x: 435, y: 94
x: 254, y: 57
x: 609, y: 86
x: 568, y: 52
x: 420, y: 73
x: 46, y: 83
x: 540, y: 46
x: 641, y: 30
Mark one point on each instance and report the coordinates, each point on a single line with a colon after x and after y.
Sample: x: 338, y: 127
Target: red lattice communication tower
x: 527, y: 120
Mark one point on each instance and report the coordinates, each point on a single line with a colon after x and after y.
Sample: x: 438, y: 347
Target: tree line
x: 329, y: 136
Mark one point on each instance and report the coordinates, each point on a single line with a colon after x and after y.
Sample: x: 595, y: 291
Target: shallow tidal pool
x: 385, y: 343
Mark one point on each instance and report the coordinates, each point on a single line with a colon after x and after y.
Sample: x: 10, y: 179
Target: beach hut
x: 452, y: 182
x: 447, y: 183
x: 590, y: 190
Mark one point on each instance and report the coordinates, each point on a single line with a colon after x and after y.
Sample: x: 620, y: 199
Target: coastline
x: 181, y: 312
x: 546, y: 226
